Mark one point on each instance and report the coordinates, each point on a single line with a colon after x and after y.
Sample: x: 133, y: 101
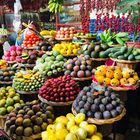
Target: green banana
x: 119, y: 40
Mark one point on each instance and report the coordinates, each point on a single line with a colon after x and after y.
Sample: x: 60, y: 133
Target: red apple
x: 13, y: 48
x: 52, y: 99
x: 67, y: 99
x: 7, y: 58
x: 13, y: 53
x: 72, y: 98
x: 7, y: 53
x: 12, y: 58
x: 18, y: 53
x: 19, y: 48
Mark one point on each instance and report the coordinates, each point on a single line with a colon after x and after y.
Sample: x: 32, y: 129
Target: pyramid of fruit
x: 61, y: 89
x: 29, y: 119
x: 7, y: 74
x: 95, y: 51
x: 28, y: 81
x: 71, y: 128
x: 115, y: 76
x: 50, y: 65
x: 31, y: 41
x: 67, y: 48
x: 13, y: 54
x: 79, y: 67
x: 65, y: 33
x: 29, y: 57
x: 9, y: 99
x: 98, y: 103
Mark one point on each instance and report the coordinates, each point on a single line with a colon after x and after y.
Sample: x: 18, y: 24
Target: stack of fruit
x: 29, y: 119
x: 71, y: 128
x: 44, y: 46
x: 99, y: 104
x: 67, y: 48
x: 30, y: 41
x: 85, y: 35
x: 115, y: 76
x: 7, y: 74
x: 28, y: 81
x: 61, y: 89
x: 79, y: 67
x: 95, y: 51
x: 29, y: 57
x: 125, y: 53
x: 111, y: 38
x: 50, y: 65
x: 12, y: 54
x: 9, y: 99
x: 65, y: 33
x: 3, y: 64
x: 47, y: 33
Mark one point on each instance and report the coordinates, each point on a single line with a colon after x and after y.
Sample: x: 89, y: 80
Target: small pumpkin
x: 109, y: 73
x: 107, y: 81
x: 114, y: 82
x: 135, y: 77
x: 102, y: 70
x: 117, y: 74
x: 100, y: 78
x: 126, y: 74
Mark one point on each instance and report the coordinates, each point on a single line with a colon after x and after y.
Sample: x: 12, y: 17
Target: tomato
x: 30, y: 39
x: 29, y: 42
x: 34, y: 39
x: 67, y: 32
x: 33, y: 42
x: 24, y: 42
x: 34, y: 45
x: 37, y: 42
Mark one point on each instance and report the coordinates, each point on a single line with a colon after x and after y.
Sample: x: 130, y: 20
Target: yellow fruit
x: 99, y: 78
x: 70, y: 116
x: 99, y: 134
x: 74, y: 129
x: 83, y: 124
x: 44, y: 135
x: 61, y: 134
x: 109, y: 73
x: 69, y: 52
x: 136, y: 77
x: 62, y: 119
x: 70, y: 124
x: 59, y: 125
x: 52, y: 137
x: 71, y: 136
x: 131, y: 81
x: 114, y: 82
x: 126, y: 74
x: 123, y: 81
x: 91, y: 129
x: 51, y: 128
x: 118, y: 75
x: 96, y: 137
x: 79, y: 118
x: 107, y: 81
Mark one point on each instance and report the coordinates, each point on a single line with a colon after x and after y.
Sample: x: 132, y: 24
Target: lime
x: 16, y: 99
x: 2, y: 92
x: 2, y: 102
x: 17, y: 104
x: 11, y: 94
x: 21, y: 101
x: 10, y: 108
x: 2, y: 111
x: 7, y: 88
x: 9, y: 101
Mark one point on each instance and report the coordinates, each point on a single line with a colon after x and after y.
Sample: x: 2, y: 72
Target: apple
x: 62, y: 93
x: 13, y: 53
x: 19, y: 48
x: 7, y: 58
x: 79, y: 118
x: 67, y: 99
x: 96, y: 137
x: 13, y: 48
x: 71, y: 136
x: 18, y: 53
x: 83, y: 124
x: 91, y: 129
x: 72, y: 98
x: 82, y: 133
x: 70, y: 124
x: 62, y: 99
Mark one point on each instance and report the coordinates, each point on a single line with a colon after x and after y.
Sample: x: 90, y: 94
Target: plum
x: 77, y: 109
x: 76, y: 68
x: 82, y: 110
x: 69, y: 67
x: 86, y: 89
x: 97, y: 101
x: 119, y: 109
x: 83, y: 67
x: 89, y: 67
x: 107, y: 93
x: 81, y: 104
x: 80, y: 74
x: 87, y: 73
x: 90, y: 100
x: 114, y: 103
x: 106, y: 115
x: 104, y: 101
x: 89, y: 114
x: 113, y: 96
x: 94, y: 108
x: 114, y: 113
x: 77, y: 63
x: 73, y: 74
x: 84, y: 98
x: 109, y: 107
x: 98, y: 115
x: 102, y: 107
x: 108, y: 99
x: 87, y: 106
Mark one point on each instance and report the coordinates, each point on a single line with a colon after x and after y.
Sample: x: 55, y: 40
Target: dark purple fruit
x: 86, y: 89
x: 113, y: 96
x: 102, y: 107
x: 89, y: 114
x: 106, y: 115
x: 94, y: 108
x: 97, y: 101
x: 119, y: 109
x: 90, y: 100
x: 87, y: 73
x: 109, y: 107
x: 104, y: 101
x: 81, y: 104
x: 87, y: 106
x: 84, y: 98
x: 114, y: 113
x: 77, y: 109
x: 114, y: 103
x: 98, y: 115
x: 82, y: 110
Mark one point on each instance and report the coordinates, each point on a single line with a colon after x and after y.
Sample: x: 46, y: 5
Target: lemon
x: 59, y: 125
x: 95, y: 137
x: 70, y: 124
x: 70, y: 116
x: 74, y: 129
x: 62, y: 119
x: 75, y: 51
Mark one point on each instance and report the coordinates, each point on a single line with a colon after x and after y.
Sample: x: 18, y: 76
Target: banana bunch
x: 55, y: 6
x: 111, y: 38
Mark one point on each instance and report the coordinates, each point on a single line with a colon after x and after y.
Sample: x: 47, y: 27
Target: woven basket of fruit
x: 103, y: 121
x: 100, y: 104
x: 82, y: 79
x: 54, y: 103
x: 25, y: 92
x: 116, y: 78
x: 55, y: 94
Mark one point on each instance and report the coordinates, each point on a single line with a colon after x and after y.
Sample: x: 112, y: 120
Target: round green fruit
x: 2, y: 111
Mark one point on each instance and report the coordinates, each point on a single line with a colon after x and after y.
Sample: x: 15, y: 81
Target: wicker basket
x: 27, y: 92
x: 2, y: 121
x: 103, y: 121
x: 82, y: 79
x: 54, y: 103
x: 63, y: 39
